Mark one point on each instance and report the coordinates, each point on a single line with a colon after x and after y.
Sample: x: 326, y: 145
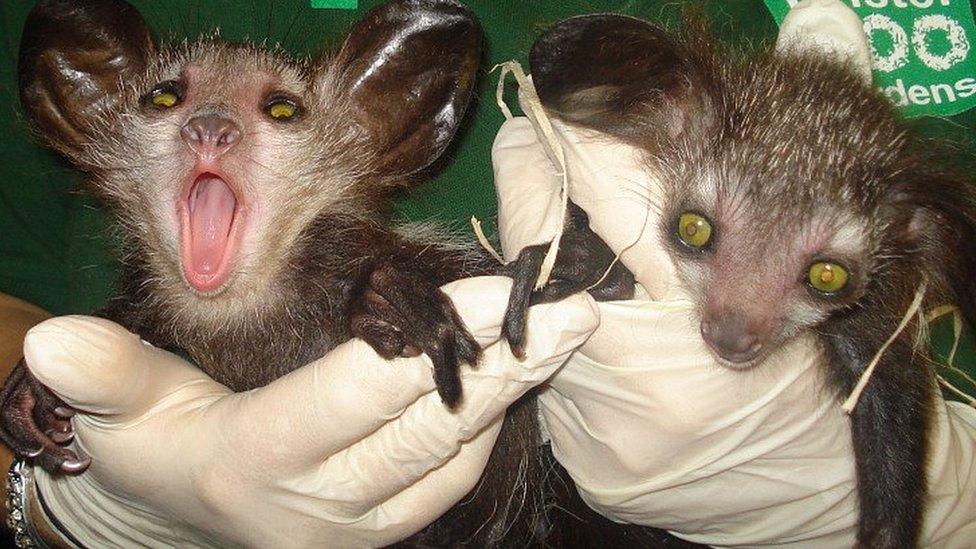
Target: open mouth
x: 210, y: 215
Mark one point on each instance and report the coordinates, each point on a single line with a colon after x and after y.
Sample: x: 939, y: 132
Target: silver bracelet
x: 19, y: 480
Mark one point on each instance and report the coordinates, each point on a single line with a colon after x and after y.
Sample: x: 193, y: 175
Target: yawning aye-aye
x: 253, y: 193
x: 795, y: 202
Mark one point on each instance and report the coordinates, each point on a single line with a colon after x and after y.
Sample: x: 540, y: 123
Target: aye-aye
x: 795, y: 203
x: 253, y: 190
x: 253, y: 193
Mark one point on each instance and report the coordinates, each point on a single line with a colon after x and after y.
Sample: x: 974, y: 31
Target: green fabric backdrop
x: 55, y: 250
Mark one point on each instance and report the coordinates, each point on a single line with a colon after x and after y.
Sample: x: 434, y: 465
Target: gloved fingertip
x: 70, y: 341
x: 579, y: 310
x: 80, y: 356
x: 515, y: 134
x: 64, y: 412
x: 481, y: 303
x: 827, y: 27
x: 560, y: 327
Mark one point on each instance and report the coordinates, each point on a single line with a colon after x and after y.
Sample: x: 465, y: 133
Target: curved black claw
x: 582, y: 264
x: 402, y: 313
x: 34, y: 424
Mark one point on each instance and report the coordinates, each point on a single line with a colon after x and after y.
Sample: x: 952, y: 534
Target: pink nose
x: 210, y: 135
x: 730, y: 337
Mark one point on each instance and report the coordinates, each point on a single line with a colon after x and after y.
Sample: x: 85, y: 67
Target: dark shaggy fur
x: 322, y: 264
x: 793, y: 160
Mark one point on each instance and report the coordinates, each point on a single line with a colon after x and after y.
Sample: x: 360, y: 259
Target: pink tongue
x: 212, y: 205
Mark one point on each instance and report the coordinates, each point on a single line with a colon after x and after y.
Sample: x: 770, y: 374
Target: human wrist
x: 97, y: 518
x: 16, y: 317
x: 29, y: 524
x: 47, y: 526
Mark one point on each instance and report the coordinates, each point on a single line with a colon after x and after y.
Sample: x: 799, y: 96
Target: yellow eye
x: 282, y: 109
x: 165, y: 95
x: 827, y: 277
x: 694, y: 230
x: 165, y: 99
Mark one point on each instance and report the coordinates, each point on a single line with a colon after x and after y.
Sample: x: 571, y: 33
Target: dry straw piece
x: 949, y: 365
x: 851, y: 401
x: 554, y: 150
x: 924, y: 320
x: 483, y: 240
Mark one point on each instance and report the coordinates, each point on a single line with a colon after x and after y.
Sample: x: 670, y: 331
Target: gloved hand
x: 652, y: 431
x: 350, y: 450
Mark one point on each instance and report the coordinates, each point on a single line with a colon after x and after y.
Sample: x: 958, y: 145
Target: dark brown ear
x: 614, y: 73
x: 942, y: 209
x: 409, y: 67
x: 73, y: 56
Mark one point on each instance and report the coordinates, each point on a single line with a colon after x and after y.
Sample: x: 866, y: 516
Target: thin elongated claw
x: 62, y: 437
x: 34, y: 423
x: 64, y: 412
x: 411, y: 351
x: 76, y: 465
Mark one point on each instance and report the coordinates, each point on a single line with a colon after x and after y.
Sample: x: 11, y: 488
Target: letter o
x: 955, y: 33
x: 899, y: 42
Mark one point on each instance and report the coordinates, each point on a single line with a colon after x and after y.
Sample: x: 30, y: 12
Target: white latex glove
x: 828, y: 26
x: 350, y: 450
x: 607, y: 180
x: 652, y: 430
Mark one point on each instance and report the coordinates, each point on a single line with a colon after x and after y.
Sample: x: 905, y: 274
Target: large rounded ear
x: 74, y: 56
x: 409, y: 68
x: 616, y: 74
x: 942, y: 207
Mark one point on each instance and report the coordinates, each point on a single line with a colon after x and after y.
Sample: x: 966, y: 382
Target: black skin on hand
x: 402, y: 313
x: 582, y: 261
